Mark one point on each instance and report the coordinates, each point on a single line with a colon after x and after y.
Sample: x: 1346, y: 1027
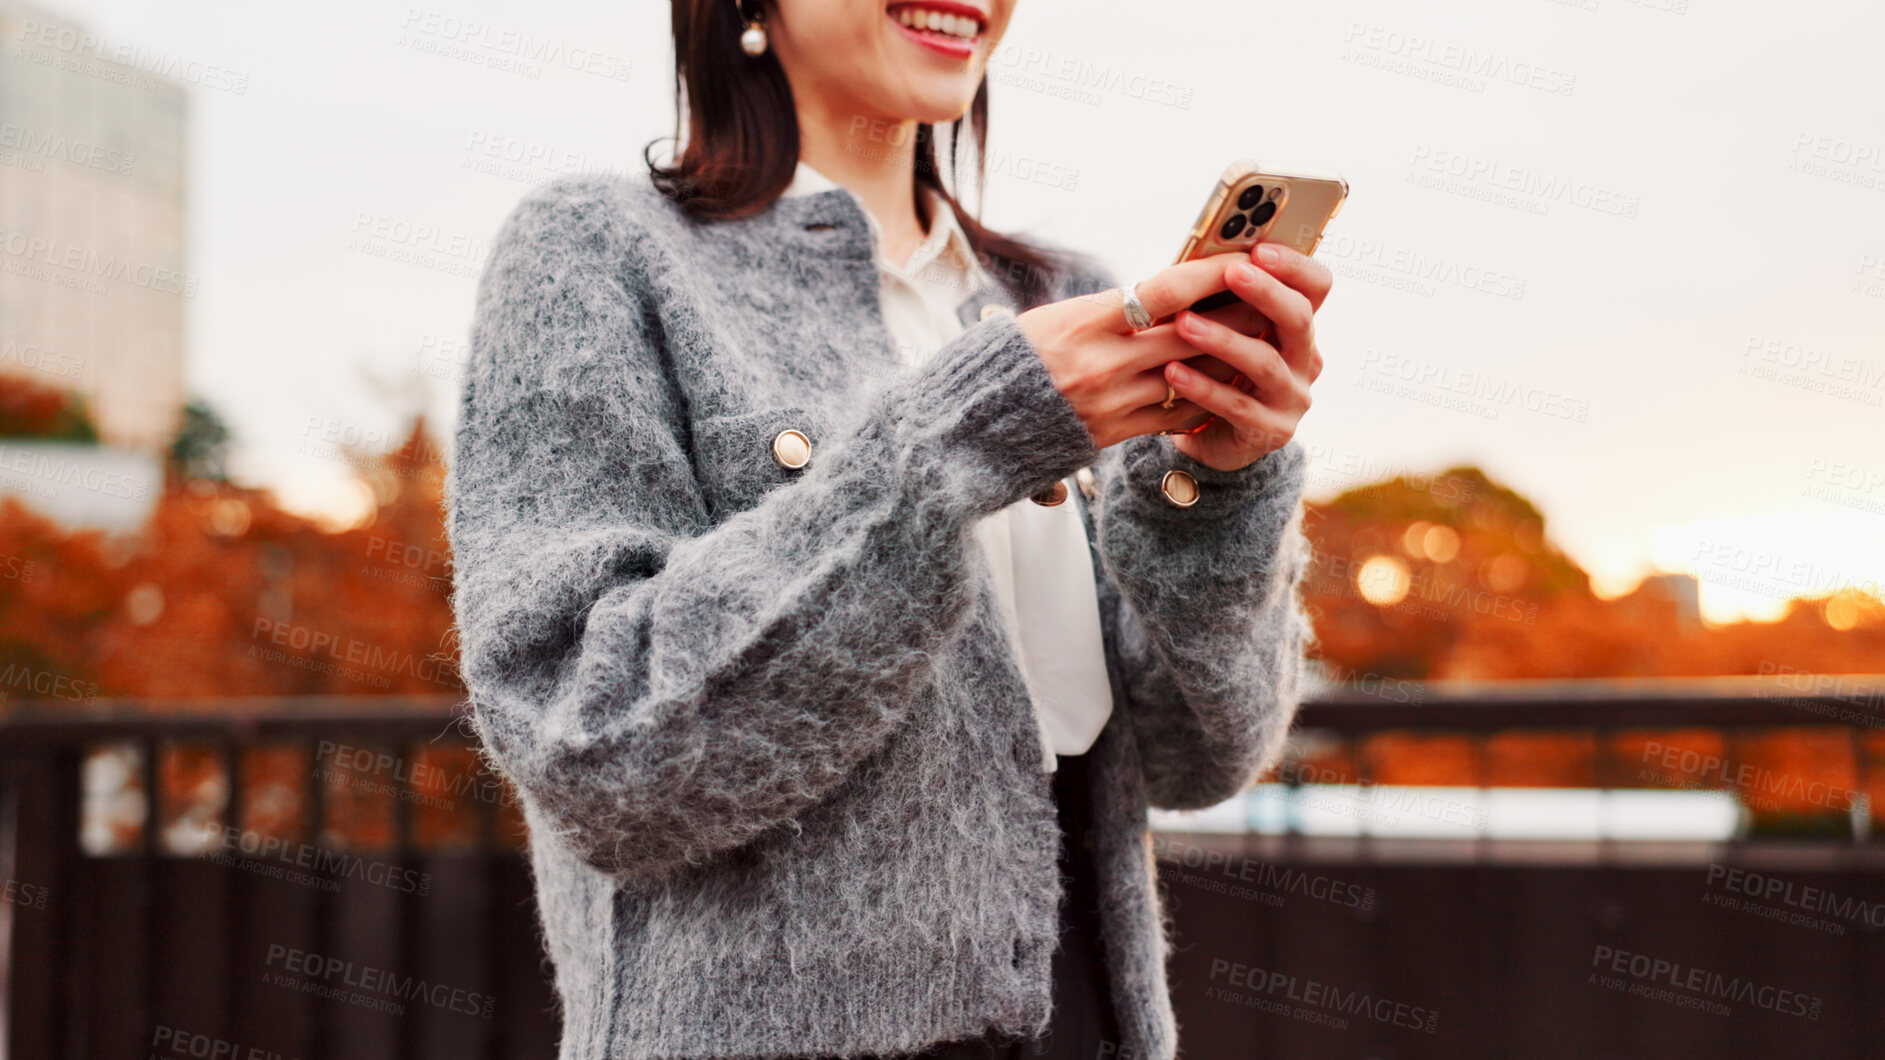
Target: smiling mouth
x: 945, y: 26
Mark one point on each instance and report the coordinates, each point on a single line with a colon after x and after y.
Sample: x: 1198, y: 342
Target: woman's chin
x: 940, y: 104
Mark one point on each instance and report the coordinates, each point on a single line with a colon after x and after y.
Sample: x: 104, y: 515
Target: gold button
x: 1088, y: 484
x: 1052, y: 495
x: 993, y: 309
x: 1179, y: 488
x: 791, y: 449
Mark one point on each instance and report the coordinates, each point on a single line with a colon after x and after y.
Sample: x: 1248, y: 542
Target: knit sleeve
x: 660, y: 688
x: 1211, y: 628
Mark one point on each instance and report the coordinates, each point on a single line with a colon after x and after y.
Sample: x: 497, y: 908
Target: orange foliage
x: 31, y: 409
x: 1453, y: 576
x: 1487, y: 596
x: 222, y: 593
x: 1473, y: 589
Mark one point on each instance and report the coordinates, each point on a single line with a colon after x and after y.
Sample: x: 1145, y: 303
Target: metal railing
x: 314, y: 877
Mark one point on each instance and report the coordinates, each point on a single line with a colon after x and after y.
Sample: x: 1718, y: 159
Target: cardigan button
x: 1052, y: 495
x: 1179, y: 488
x: 1088, y: 484
x: 791, y: 449
x: 995, y: 309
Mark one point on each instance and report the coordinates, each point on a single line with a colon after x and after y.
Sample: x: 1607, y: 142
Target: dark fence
x: 331, y: 931
x: 1769, y: 943
x: 335, y: 877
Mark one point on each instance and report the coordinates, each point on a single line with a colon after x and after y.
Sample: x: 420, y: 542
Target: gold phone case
x: 1301, y: 204
x: 1252, y: 205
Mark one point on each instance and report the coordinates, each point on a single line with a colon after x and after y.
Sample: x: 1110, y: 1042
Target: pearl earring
x: 753, y: 41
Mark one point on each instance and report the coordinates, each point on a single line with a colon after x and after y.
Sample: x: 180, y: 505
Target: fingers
x: 1287, y: 308
x: 1150, y: 349
x: 1203, y: 355
x: 1242, y: 316
x: 1167, y: 291
x: 1278, y: 384
x: 1252, y: 420
x: 1210, y: 366
x: 1148, y: 387
x: 1296, y: 269
x: 1184, y: 416
x: 1134, y: 406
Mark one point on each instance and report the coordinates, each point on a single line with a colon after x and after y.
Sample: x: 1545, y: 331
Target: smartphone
x: 1252, y: 205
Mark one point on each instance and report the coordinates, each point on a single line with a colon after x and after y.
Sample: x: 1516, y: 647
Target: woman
x: 834, y: 712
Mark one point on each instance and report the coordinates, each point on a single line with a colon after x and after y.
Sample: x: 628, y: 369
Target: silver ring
x: 1136, y: 316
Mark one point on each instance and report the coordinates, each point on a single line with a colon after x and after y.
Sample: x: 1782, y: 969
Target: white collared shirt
x: 1043, y: 572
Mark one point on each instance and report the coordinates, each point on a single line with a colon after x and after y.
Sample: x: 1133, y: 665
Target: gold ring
x: 1171, y: 395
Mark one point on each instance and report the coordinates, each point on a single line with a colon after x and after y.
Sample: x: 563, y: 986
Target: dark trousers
x: 1083, y: 1011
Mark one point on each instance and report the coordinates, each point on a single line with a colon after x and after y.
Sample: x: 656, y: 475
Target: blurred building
x: 94, y: 278
x: 1685, y: 590
x: 83, y: 487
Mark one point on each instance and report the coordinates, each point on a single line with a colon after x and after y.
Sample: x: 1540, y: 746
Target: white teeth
x: 938, y: 21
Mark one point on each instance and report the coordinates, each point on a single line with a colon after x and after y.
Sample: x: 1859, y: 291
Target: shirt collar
x: 945, y: 232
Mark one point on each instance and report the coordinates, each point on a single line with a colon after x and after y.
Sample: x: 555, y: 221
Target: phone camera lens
x: 1262, y: 214
x: 1251, y: 196
x: 1232, y: 225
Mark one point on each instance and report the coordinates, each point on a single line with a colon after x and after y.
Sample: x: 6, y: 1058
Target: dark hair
x: 742, y: 144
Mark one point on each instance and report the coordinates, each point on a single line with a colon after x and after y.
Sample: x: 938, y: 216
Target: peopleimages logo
x: 56, y: 145
x: 92, y: 262
x: 1770, y: 888
x: 59, y: 470
x: 1270, y: 990
x: 331, y: 648
x: 1510, y: 185
x: 1278, y: 879
x: 45, y: 684
x: 369, y: 987
x: 1746, y: 777
x: 325, y: 866
x: 1485, y: 395
x: 474, y: 36
x: 1080, y: 74
x: 1657, y: 977
x: 177, y: 1041
x: 1463, y: 65
x: 76, y: 42
x: 358, y: 764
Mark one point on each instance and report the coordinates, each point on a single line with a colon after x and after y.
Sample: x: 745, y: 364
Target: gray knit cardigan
x: 781, y: 773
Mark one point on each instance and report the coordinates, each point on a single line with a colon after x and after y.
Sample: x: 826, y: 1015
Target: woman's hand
x: 1113, y: 377
x: 1257, y: 411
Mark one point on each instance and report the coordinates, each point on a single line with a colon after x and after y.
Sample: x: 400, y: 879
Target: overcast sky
x: 1627, y: 256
